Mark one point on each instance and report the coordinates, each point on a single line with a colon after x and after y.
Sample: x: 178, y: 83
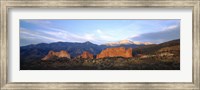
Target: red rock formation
x: 60, y: 54
x: 86, y: 54
x: 115, y: 52
x: 128, y: 53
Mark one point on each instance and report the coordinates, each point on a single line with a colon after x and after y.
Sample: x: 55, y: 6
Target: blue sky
x: 34, y: 31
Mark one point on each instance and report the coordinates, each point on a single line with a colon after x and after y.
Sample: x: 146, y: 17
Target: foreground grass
x: 115, y: 63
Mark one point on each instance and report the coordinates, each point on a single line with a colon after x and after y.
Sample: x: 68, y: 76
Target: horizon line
x: 89, y: 41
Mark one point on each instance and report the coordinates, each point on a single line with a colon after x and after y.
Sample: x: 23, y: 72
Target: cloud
x: 172, y: 27
x: 99, y: 31
x: 89, y: 37
x: 53, y: 35
x: 31, y: 37
x: 50, y: 30
x: 104, y: 36
x: 32, y: 34
x: 66, y: 36
x: 168, y: 33
x: 47, y: 31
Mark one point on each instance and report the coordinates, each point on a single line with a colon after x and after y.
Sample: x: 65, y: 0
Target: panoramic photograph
x: 89, y: 44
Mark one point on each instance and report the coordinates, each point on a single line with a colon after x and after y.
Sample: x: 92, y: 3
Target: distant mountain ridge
x: 126, y: 42
x: 151, y: 49
x: 38, y: 51
x: 74, y: 49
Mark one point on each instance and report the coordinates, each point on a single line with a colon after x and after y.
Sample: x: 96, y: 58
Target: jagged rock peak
x: 60, y: 54
x: 86, y: 54
x: 115, y: 52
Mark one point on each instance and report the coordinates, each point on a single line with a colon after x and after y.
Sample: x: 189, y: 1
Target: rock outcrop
x: 60, y: 54
x: 169, y: 51
x: 116, y: 52
x: 87, y: 55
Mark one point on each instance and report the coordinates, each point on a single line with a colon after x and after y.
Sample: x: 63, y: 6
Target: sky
x: 34, y: 31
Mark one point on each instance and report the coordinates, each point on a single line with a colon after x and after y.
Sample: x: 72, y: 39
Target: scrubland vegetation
x: 110, y: 63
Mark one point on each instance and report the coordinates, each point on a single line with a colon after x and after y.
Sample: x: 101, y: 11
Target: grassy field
x: 114, y: 63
